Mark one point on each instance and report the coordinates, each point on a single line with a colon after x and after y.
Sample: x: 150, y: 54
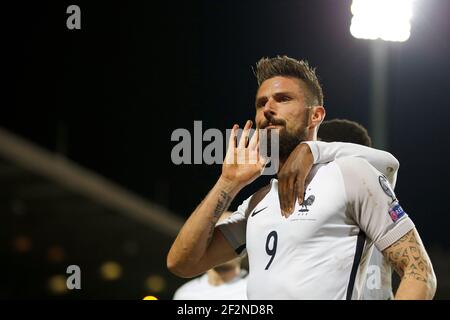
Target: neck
x: 216, y: 278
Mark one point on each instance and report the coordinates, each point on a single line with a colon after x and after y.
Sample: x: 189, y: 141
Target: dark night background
x: 109, y: 96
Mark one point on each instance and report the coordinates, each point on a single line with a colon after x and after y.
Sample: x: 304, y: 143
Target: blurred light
x: 57, y: 284
x: 150, y: 298
x: 155, y: 283
x: 55, y: 254
x: 111, y: 270
x: 22, y: 244
x: 381, y: 19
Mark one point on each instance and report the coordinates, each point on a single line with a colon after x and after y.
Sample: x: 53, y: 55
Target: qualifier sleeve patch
x: 396, y: 212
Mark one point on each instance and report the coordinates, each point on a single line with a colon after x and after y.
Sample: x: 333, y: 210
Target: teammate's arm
x: 410, y: 260
x: 386, y: 163
x: 292, y: 176
x: 200, y: 246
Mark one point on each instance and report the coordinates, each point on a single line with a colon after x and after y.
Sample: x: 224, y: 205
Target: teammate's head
x: 344, y: 131
x: 289, y: 98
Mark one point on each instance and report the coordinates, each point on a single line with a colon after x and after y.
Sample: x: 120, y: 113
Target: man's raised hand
x: 243, y: 163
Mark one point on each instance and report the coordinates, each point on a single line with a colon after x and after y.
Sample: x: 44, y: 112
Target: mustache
x: 272, y: 121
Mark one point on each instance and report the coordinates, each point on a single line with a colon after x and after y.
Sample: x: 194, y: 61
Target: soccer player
x: 318, y: 246
x: 344, y: 130
x: 224, y: 282
x: 379, y: 282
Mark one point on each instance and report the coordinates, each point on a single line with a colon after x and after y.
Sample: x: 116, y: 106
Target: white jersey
x: 386, y: 163
x: 378, y: 285
x: 379, y: 272
x: 200, y: 289
x: 322, y: 250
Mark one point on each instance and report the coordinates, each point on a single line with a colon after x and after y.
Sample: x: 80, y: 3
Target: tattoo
x: 222, y: 204
x: 409, y: 259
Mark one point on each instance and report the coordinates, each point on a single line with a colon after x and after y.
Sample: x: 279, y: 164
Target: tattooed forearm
x: 409, y: 259
x: 223, y: 203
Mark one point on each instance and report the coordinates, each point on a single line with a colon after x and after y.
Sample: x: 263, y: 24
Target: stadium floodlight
x: 389, y: 20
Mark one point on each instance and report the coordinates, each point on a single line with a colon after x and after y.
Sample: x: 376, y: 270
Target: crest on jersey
x: 306, y: 203
x: 386, y: 187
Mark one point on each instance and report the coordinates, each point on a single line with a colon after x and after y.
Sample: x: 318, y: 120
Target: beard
x: 288, y: 140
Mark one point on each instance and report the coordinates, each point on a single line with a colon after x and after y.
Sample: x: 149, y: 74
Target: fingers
x: 290, y: 197
x: 254, y: 141
x: 282, y: 190
x: 300, y: 186
x: 230, y: 158
x: 292, y: 177
x: 244, y: 137
x: 263, y: 159
x: 246, y: 150
x: 233, y: 137
x: 286, y: 195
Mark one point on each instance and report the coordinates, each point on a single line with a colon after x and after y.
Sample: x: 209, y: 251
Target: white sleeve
x: 180, y: 293
x: 234, y: 228
x: 372, y: 204
x: 383, y: 161
x: 188, y: 290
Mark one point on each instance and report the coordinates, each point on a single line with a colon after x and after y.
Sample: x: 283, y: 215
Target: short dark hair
x: 284, y: 66
x: 343, y: 130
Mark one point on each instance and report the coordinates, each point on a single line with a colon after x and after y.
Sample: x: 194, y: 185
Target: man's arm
x: 373, y: 205
x: 292, y: 176
x: 383, y: 161
x: 200, y: 246
x: 410, y: 260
